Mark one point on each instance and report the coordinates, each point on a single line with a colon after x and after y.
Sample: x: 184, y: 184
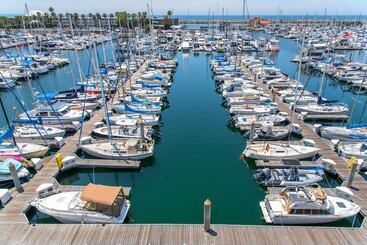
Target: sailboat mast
x: 6, y: 117
x: 298, y: 81
x: 105, y: 106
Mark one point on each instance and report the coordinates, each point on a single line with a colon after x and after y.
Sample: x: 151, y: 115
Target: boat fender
x: 98, y: 125
x: 86, y: 140
x: 59, y: 142
x: 76, y: 125
x: 37, y: 163
x: 334, y: 144
x: 316, y: 128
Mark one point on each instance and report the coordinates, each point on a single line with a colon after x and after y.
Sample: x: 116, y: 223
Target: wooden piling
x: 14, y: 175
x: 207, y: 214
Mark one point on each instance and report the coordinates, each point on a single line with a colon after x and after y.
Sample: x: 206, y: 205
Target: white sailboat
x: 26, y: 150
x: 273, y: 151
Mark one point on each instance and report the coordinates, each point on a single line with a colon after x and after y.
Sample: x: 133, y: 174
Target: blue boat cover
x: 47, y: 96
x: 32, y: 120
x: 4, y: 166
x: 8, y: 133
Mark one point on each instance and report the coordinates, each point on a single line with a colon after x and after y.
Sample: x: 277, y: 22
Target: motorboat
x: 289, y: 176
x: 271, y: 133
x: 56, y: 113
x: 95, y: 204
x: 277, y: 151
x: 299, y: 205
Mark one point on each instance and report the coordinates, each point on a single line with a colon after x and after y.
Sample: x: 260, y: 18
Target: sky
x: 192, y: 7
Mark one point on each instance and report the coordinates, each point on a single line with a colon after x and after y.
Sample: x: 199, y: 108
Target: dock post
x: 352, y: 173
x: 142, y: 133
x: 14, y: 175
x: 252, y: 131
x: 207, y: 215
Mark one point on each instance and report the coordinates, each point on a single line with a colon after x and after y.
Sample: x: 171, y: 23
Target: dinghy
x: 288, y: 177
x: 271, y: 133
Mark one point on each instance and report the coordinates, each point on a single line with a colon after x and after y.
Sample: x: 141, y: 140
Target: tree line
x: 52, y: 20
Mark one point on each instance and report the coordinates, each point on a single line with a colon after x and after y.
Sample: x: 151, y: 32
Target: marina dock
x: 195, y: 158
x: 14, y: 224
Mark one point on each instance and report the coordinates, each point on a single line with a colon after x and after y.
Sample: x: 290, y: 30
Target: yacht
x: 56, y: 113
x: 95, y: 204
x: 298, y: 205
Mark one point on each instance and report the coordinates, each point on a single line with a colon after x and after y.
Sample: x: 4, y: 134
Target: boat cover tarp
x: 47, y: 96
x: 32, y: 120
x: 100, y: 194
x: 360, y: 125
x: 4, y: 166
x: 8, y: 133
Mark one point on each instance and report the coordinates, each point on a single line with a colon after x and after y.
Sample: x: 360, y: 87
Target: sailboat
x: 278, y: 151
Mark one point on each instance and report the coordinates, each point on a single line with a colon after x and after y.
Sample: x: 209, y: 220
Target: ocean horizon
x: 239, y: 17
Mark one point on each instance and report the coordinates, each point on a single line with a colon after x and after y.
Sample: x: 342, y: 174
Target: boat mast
x: 297, y: 87
x: 7, y: 121
x: 105, y: 106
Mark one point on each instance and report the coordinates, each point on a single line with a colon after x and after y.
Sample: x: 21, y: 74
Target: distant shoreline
x: 240, y: 17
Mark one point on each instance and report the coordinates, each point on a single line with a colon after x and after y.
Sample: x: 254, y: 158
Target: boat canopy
x: 8, y: 133
x: 31, y: 120
x: 101, y: 194
x: 45, y: 97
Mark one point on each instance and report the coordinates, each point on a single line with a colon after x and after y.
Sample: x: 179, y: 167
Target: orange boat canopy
x: 100, y: 194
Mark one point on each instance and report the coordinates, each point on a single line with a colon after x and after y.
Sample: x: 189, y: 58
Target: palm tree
x: 169, y: 13
x: 83, y: 19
